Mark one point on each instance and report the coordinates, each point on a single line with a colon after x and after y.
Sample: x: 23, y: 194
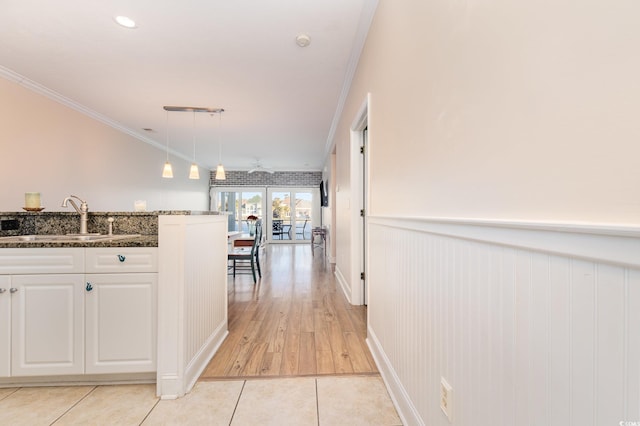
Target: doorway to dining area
x: 288, y: 213
x: 292, y: 213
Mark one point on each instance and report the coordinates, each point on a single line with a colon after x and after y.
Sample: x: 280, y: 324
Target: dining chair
x: 277, y: 228
x: 300, y: 229
x: 286, y: 230
x: 248, y: 258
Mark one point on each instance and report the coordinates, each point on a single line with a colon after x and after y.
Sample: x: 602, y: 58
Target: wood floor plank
x: 307, y: 360
x: 294, y: 321
x: 324, y: 362
x: 306, y: 324
x: 255, y: 359
x: 241, y: 352
x: 339, y: 351
x: 271, y: 363
x: 359, y: 360
x: 289, y: 365
x: 277, y: 345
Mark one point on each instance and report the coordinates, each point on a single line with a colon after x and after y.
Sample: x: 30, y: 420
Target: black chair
x: 300, y: 230
x: 277, y: 228
x: 248, y: 258
x: 286, y: 230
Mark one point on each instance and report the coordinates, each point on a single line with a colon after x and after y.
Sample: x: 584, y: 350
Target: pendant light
x: 167, y: 171
x: 220, y: 175
x: 193, y: 171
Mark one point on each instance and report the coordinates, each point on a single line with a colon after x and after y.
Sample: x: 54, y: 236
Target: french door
x: 288, y: 214
x: 239, y: 204
x: 293, y: 213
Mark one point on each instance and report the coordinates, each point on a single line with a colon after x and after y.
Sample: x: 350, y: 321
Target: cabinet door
x: 121, y: 323
x: 5, y: 326
x: 47, y: 327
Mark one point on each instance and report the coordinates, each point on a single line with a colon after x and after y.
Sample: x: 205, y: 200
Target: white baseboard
x: 344, y: 284
x: 202, y: 358
x: 405, y: 408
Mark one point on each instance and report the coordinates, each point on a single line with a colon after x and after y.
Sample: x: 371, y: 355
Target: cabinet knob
x: 121, y: 258
x: 89, y: 287
x: 2, y: 290
x: 13, y: 290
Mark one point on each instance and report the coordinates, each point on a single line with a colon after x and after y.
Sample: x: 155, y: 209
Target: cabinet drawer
x: 17, y: 261
x: 121, y: 259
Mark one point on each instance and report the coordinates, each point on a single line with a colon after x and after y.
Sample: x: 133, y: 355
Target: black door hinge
x: 362, y: 276
x: 362, y: 149
x: 361, y: 212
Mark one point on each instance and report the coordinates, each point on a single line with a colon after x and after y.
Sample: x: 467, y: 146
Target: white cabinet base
x: 121, y: 323
x: 47, y: 324
x: 5, y: 326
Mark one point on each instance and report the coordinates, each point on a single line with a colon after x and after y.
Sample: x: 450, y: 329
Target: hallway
x: 293, y: 322
x: 295, y: 354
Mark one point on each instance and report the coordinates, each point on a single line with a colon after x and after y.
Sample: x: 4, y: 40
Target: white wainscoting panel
x: 524, y: 335
x: 192, y: 298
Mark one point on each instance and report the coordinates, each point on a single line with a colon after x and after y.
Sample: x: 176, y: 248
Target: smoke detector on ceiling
x: 303, y: 40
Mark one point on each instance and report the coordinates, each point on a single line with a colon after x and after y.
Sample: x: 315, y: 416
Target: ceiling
x: 280, y: 100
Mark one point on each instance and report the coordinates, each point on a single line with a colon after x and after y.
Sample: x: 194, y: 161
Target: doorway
x: 359, y: 176
x: 239, y: 204
x: 293, y: 214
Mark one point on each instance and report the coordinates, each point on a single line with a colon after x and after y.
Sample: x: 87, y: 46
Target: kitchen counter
x: 62, y: 223
x: 141, y: 241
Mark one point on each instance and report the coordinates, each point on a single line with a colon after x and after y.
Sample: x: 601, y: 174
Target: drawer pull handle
x: 121, y: 258
x: 13, y: 290
x: 89, y: 287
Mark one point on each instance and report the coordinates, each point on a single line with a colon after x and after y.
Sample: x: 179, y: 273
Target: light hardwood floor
x: 294, y: 322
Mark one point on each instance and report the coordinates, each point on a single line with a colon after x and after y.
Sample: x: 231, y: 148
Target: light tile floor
x: 328, y: 400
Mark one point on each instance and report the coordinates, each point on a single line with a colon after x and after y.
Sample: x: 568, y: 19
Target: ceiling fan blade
x: 260, y: 169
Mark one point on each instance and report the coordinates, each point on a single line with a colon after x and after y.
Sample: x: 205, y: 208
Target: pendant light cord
x: 194, y: 136
x: 220, y: 138
x: 167, y: 136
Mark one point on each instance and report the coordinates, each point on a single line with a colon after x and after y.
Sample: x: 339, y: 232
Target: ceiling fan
x: 258, y: 167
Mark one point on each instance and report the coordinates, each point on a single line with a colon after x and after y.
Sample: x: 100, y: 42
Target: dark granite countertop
x: 141, y: 241
x: 64, y: 223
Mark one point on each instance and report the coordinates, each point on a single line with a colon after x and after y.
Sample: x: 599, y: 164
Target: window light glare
x: 125, y: 21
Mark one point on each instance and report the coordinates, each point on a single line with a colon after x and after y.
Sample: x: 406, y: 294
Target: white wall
x: 49, y: 148
x: 512, y: 110
x: 498, y: 111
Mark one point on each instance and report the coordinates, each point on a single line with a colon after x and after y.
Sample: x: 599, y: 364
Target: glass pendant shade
x: 220, y: 175
x: 167, y: 171
x: 193, y: 171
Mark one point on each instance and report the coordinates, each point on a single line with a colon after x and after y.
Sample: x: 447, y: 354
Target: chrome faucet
x: 83, y: 211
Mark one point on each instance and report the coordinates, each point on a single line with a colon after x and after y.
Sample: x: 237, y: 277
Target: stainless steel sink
x: 69, y: 238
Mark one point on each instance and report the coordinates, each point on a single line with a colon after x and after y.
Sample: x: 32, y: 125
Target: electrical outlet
x: 9, y: 225
x: 446, y: 399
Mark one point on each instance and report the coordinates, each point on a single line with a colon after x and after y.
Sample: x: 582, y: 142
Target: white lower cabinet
x: 5, y: 325
x: 120, y: 312
x: 80, y: 322
x: 47, y: 324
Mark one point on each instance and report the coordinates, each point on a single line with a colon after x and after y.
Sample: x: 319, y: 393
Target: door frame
x: 216, y: 190
x: 315, y: 210
x: 360, y: 178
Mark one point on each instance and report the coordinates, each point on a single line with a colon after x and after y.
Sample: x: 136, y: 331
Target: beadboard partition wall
x: 529, y: 323
x: 192, y: 298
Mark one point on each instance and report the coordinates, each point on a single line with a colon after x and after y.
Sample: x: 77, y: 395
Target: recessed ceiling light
x: 125, y: 21
x: 303, y: 40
